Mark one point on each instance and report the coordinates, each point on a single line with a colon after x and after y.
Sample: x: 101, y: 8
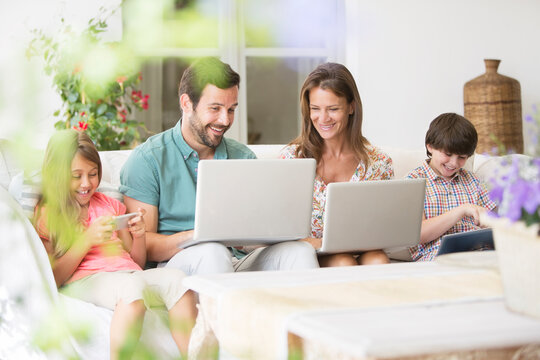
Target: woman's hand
x: 136, y: 225
x: 315, y: 242
x: 99, y: 231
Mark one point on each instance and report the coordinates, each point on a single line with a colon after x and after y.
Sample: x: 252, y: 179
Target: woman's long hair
x: 62, y: 208
x: 336, y: 78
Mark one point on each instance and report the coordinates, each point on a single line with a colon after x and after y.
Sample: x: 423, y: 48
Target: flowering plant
x: 97, y: 87
x: 516, y: 187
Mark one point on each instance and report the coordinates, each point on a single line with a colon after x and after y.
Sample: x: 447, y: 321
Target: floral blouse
x: 380, y: 168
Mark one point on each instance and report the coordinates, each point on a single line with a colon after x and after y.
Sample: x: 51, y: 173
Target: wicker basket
x: 493, y: 104
x: 518, y: 251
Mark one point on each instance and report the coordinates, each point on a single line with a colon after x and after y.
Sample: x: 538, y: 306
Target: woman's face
x: 84, y: 179
x: 329, y: 113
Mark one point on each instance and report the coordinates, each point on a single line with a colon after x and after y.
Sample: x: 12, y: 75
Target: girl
x: 93, y: 261
x: 332, y: 135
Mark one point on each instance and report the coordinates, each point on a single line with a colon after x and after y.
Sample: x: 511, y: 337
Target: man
x: 160, y: 176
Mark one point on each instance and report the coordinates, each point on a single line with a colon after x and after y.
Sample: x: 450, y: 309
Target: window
x: 272, y: 44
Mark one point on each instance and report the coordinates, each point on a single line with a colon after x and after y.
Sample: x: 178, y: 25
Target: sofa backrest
x: 403, y: 160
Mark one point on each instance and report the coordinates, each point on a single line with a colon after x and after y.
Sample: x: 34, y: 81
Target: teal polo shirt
x: 163, y: 172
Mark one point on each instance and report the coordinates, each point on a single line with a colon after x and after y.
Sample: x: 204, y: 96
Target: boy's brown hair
x: 452, y: 133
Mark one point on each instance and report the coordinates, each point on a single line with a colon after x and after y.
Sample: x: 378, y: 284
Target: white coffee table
x: 249, y: 313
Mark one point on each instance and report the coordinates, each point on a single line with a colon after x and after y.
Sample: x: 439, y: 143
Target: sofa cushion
x: 27, y: 287
x: 404, y: 160
x: 27, y: 191
x: 29, y: 295
x: 112, y: 162
x: 8, y: 164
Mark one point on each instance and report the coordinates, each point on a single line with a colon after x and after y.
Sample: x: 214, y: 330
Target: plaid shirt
x: 443, y: 195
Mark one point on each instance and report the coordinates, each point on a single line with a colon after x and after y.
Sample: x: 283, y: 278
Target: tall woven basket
x: 493, y: 104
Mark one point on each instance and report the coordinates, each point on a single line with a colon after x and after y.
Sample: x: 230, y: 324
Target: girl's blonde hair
x: 63, y: 210
x: 338, y: 79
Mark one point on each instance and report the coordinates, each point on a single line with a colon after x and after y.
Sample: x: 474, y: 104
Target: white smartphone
x: 121, y: 221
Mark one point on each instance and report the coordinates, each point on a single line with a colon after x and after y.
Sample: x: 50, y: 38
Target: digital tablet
x: 474, y: 240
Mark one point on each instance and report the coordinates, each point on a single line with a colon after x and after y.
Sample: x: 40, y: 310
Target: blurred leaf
x: 101, y: 109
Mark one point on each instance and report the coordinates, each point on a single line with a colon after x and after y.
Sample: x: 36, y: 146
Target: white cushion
x: 27, y: 191
x: 8, y: 164
x: 27, y: 287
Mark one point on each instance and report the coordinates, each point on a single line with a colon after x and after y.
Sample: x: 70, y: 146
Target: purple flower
x: 496, y: 194
x: 529, y: 118
x: 532, y: 201
x: 519, y: 191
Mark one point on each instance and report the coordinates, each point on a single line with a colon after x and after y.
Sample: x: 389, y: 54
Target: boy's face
x: 445, y: 164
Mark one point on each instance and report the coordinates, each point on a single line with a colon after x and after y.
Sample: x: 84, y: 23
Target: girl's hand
x: 100, y: 230
x: 136, y: 225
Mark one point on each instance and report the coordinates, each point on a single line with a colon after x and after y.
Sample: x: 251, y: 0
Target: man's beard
x: 200, y: 130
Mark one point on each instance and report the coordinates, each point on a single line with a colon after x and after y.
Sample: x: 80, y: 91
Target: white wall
x: 411, y: 58
x: 27, y: 100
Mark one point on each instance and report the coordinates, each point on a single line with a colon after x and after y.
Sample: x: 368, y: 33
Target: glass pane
x: 160, y: 79
x: 191, y: 24
x: 173, y: 68
x: 273, y: 90
x: 286, y: 23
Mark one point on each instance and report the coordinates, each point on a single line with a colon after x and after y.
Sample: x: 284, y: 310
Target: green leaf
x: 101, y: 109
x: 73, y: 97
x: 56, y: 113
x: 59, y: 125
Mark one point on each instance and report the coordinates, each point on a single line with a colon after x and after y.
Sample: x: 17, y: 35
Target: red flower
x: 83, y: 113
x: 140, y: 76
x: 136, y: 96
x: 144, y: 102
x: 82, y: 126
x: 123, y: 115
x: 121, y: 79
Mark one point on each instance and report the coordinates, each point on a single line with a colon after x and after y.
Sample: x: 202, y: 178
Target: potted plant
x: 516, y: 188
x: 97, y: 82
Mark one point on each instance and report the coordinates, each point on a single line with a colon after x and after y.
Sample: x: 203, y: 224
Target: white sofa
x: 25, y: 272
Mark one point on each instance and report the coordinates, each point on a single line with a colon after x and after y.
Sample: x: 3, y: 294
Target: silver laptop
x: 369, y: 215
x: 253, y: 202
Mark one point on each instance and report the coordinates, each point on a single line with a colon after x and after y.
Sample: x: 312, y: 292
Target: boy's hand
x: 473, y: 211
x: 136, y: 225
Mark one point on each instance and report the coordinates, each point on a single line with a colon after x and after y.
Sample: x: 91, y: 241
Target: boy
x: 454, y: 196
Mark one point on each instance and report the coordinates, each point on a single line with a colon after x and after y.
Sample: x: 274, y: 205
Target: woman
x: 332, y: 135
